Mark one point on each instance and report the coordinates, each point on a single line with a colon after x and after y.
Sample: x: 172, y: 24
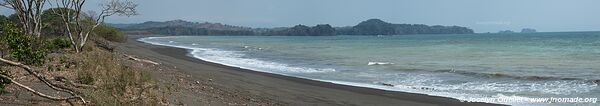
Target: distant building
x: 528, y: 30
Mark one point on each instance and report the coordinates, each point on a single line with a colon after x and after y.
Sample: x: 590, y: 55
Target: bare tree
x: 29, y: 13
x: 79, y: 25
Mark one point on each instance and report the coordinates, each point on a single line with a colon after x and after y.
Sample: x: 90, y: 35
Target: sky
x: 480, y: 15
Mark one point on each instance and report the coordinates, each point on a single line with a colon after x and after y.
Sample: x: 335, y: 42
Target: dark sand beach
x: 255, y: 86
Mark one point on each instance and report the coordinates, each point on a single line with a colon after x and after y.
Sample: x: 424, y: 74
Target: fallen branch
x: 141, y: 60
x: 69, y: 82
x: 43, y: 79
x: 36, y: 92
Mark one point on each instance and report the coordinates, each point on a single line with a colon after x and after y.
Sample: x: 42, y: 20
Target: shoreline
x: 287, y: 89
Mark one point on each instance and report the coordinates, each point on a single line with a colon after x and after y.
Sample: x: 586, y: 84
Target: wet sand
x: 278, y: 88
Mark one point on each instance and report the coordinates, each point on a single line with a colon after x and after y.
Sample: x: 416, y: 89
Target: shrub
x: 57, y: 43
x: 85, y: 77
x: 26, y: 49
x: 117, y: 79
x: 3, y: 81
x: 3, y: 20
x: 109, y: 33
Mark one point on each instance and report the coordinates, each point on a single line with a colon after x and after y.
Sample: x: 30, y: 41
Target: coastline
x: 285, y: 89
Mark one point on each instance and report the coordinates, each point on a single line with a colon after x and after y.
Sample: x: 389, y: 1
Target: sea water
x: 528, y: 65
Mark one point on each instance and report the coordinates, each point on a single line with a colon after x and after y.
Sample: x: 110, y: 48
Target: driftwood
x: 43, y: 79
x: 141, y: 60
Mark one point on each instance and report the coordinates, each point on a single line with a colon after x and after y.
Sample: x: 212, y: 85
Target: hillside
x: 369, y: 27
x: 379, y: 27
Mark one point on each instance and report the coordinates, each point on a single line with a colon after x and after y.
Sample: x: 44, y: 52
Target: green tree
x: 52, y: 21
x: 27, y: 49
x: 13, y: 18
x: 86, y: 23
x: 109, y: 33
x: 3, y: 20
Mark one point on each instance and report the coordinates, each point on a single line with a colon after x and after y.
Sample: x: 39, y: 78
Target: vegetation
x: 323, y: 30
x: 115, y: 80
x: 26, y: 49
x: 57, y: 43
x: 4, y: 81
x: 180, y: 27
x: 85, y: 23
x: 118, y: 81
x: 179, y: 30
x: 379, y: 27
x: 369, y: 27
x: 3, y: 20
x: 53, y: 24
x: 29, y: 35
x: 302, y: 30
x: 109, y: 33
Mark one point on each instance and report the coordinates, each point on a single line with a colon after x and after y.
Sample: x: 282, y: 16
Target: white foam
x: 231, y: 58
x: 541, y: 87
x: 410, y: 89
x: 407, y: 84
x: 235, y: 59
x: 379, y: 63
x: 460, y: 96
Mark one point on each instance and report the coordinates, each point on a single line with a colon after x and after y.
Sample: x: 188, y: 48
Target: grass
x: 119, y: 81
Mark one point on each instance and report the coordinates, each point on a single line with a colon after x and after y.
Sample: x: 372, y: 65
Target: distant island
x: 524, y: 30
x: 379, y: 27
x: 528, y: 30
x: 506, y: 31
x: 368, y: 27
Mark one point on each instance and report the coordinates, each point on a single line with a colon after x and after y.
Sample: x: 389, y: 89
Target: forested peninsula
x: 368, y: 27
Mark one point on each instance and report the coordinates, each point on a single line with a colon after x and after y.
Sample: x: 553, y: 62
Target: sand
x: 236, y: 86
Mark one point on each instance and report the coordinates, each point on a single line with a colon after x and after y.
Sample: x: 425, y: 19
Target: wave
x: 500, y: 75
x: 231, y: 58
x: 412, y: 83
x: 236, y: 59
x: 379, y: 63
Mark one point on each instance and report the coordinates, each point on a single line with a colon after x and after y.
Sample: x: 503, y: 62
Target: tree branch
x: 36, y: 92
x: 42, y: 78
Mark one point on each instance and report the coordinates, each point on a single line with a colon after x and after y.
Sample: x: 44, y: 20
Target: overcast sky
x: 480, y: 15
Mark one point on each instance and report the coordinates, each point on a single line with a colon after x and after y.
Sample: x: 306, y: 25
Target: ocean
x: 461, y: 66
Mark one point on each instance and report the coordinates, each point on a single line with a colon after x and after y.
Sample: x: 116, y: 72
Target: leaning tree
x: 80, y: 25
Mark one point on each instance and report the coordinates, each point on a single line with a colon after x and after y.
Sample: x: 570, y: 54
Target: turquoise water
x: 459, y: 66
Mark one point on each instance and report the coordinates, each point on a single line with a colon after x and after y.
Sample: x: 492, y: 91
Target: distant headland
x: 524, y: 30
x: 368, y: 27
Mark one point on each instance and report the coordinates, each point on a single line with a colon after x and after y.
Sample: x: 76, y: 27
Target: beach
x: 282, y: 90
